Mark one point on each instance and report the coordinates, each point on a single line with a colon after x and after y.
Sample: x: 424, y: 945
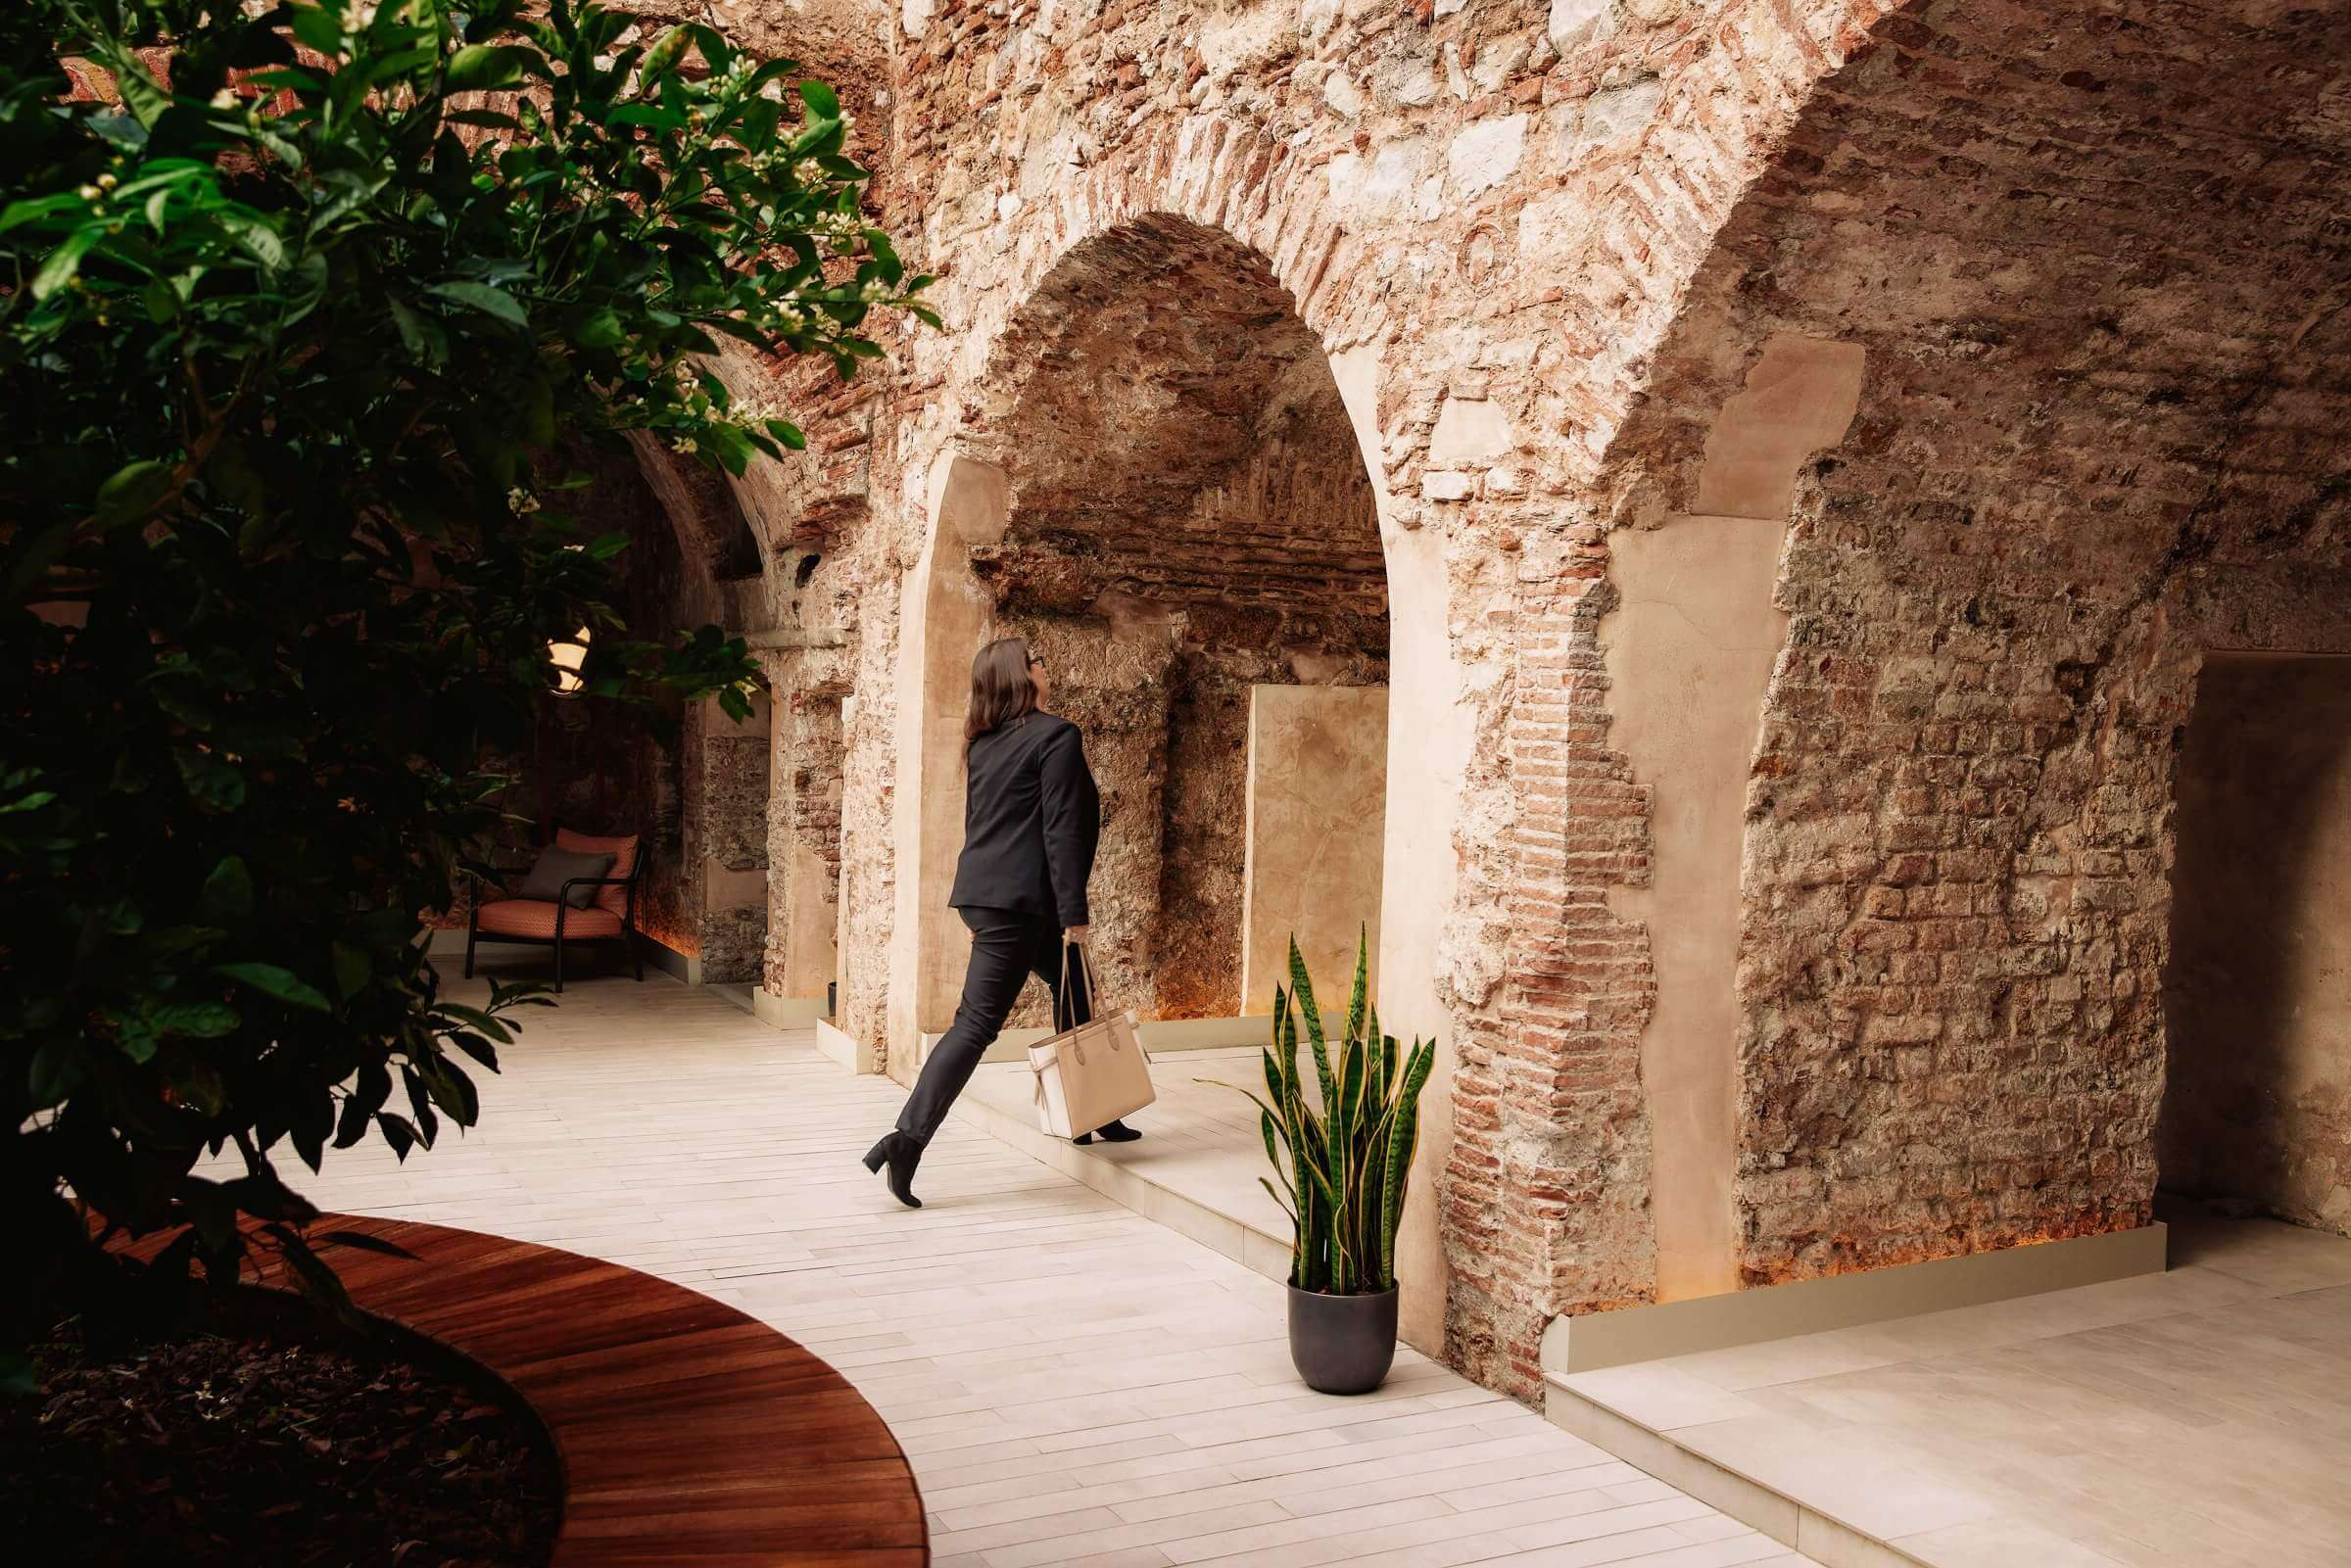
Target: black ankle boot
x: 1108, y: 1132
x: 901, y: 1154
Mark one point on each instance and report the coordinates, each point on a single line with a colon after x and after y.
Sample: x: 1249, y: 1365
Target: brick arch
x: 2089, y: 274
x: 1228, y: 191
x: 1730, y: 93
x: 710, y: 523
x: 1204, y: 172
x: 1550, y: 1184
x: 1219, y: 175
x: 1157, y: 361
x: 1189, y: 517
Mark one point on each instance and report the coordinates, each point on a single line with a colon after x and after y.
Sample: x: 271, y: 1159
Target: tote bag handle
x: 1086, y: 970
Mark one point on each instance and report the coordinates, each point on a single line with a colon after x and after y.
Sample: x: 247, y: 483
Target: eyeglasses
x: 1036, y: 663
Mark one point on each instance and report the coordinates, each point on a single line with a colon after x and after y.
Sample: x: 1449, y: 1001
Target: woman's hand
x: 1077, y: 936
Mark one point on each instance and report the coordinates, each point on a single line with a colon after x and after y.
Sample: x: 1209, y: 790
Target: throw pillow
x: 555, y: 867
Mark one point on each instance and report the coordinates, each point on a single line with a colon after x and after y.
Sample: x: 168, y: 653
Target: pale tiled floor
x: 2200, y: 1416
x: 1075, y: 1384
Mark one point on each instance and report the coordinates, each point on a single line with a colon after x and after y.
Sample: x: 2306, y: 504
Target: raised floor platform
x: 1194, y: 1169
x: 2198, y: 1416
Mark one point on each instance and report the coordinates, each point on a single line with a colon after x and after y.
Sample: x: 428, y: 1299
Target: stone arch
x: 1211, y: 184
x: 945, y: 614
x: 1193, y: 543
x: 1219, y: 175
x: 2016, y: 382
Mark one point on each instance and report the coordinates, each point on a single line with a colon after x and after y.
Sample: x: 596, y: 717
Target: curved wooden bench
x: 689, y: 1432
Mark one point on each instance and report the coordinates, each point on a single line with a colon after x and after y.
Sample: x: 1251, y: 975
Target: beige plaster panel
x: 1800, y: 397
x: 1689, y: 652
x: 1316, y: 821
x: 2257, y: 996
x: 808, y: 953
x: 725, y: 889
x: 1690, y: 649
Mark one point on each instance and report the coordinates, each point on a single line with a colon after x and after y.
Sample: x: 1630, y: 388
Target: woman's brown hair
x: 1001, y: 690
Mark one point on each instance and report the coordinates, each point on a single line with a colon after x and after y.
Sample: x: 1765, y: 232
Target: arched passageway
x: 2013, y: 390
x: 1162, y: 478
x: 1161, y: 489
x: 1191, y: 541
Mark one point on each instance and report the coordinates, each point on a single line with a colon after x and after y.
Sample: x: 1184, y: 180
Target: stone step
x: 1247, y: 1240
x: 1828, y: 1535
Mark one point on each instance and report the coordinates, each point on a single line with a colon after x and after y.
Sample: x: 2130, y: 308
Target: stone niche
x: 2257, y: 997
x: 726, y: 840
x: 1317, y: 779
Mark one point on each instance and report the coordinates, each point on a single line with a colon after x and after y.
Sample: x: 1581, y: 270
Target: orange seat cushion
x: 624, y: 861
x: 536, y: 917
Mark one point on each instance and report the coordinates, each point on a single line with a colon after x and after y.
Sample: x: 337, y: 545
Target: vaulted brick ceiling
x: 2101, y: 260
x: 1173, y: 432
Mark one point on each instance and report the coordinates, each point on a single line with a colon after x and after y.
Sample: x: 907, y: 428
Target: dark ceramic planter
x: 1342, y: 1344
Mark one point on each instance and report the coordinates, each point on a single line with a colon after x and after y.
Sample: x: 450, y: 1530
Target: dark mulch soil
x: 276, y: 1445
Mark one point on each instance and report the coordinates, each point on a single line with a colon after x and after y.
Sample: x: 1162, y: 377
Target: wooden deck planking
x: 689, y: 1433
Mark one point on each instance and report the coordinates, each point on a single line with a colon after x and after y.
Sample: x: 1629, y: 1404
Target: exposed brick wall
x: 1494, y: 214
x: 2100, y: 296
x: 1551, y: 215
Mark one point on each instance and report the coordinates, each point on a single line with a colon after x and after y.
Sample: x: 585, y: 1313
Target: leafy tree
x: 298, y: 304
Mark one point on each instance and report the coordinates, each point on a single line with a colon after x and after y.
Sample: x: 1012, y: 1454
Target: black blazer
x: 1032, y: 818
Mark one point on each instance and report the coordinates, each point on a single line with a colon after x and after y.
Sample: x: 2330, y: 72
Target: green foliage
x: 1343, y: 1159
x: 298, y: 309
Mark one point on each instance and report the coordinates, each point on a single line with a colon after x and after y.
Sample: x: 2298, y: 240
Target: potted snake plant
x: 1342, y: 1151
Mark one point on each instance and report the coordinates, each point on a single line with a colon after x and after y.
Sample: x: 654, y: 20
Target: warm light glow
x: 567, y: 658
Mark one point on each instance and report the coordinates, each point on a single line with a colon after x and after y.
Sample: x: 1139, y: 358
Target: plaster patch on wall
x: 1317, y: 775
x: 1800, y: 397
x: 1470, y: 431
x: 1689, y: 652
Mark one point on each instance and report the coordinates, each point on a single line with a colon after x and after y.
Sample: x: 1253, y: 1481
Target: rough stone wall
x: 1205, y: 847
x: 816, y: 782
x: 1490, y: 211
x: 803, y: 820
x: 1494, y: 218
x: 2100, y: 432
x: 726, y: 839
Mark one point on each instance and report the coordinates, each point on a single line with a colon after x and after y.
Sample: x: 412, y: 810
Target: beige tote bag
x: 1093, y: 1074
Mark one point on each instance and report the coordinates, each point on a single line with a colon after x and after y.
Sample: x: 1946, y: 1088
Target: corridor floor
x: 1075, y: 1384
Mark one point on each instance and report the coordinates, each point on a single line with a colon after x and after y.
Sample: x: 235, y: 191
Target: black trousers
x: 1007, y: 947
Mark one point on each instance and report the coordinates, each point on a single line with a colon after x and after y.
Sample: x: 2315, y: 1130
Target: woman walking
x: 1030, y: 821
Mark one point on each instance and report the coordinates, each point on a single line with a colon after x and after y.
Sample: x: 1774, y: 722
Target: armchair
x: 611, y: 915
